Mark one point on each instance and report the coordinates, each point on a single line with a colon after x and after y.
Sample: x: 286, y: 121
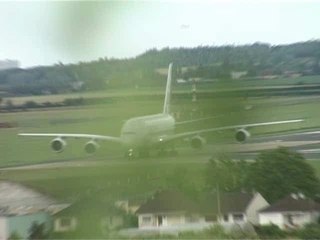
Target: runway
x: 307, y: 143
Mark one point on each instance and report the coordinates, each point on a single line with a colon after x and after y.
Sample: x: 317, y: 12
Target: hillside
x: 258, y: 60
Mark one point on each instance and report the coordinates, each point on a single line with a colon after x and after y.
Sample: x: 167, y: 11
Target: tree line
x: 203, y: 61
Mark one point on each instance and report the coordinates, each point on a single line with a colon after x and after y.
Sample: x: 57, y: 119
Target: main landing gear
x: 132, y: 153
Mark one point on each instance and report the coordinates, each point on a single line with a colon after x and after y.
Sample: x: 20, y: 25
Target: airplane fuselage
x: 146, y: 131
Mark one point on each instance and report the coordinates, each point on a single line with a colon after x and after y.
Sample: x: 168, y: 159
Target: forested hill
x: 208, y: 62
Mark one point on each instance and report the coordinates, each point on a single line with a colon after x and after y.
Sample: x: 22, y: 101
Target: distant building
x: 293, y: 211
x: 237, y: 75
x: 8, y: 64
x: 181, y: 80
x: 292, y: 74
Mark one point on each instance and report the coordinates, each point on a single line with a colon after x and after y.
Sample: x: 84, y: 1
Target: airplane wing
x: 243, y: 126
x: 73, y: 135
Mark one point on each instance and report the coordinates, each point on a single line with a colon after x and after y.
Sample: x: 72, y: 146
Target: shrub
x: 270, y: 232
x: 310, y: 231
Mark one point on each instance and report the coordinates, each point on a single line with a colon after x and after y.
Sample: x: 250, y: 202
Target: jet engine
x: 197, y: 142
x: 242, y: 135
x: 58, y: 145
x: 91, y: 147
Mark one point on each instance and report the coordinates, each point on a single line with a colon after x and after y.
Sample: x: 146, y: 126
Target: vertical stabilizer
x: 166, y: 106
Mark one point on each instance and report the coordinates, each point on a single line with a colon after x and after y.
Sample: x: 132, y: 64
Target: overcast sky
x: 44, y: 33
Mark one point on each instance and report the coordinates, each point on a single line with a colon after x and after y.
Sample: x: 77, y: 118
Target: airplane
x: 140, y: 134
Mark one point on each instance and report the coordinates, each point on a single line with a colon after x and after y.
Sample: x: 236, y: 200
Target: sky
x: 48, y: 32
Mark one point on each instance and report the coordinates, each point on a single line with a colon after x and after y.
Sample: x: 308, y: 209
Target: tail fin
x: 166, y: 106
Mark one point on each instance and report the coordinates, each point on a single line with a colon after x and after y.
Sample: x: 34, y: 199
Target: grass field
x: 108, y: 118
x: 116, y: 181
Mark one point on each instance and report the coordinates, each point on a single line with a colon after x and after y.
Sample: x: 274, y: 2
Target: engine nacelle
x: 91, y: 147
x: 58, y: 145
x: 197, y: 142
x: 242, y: 135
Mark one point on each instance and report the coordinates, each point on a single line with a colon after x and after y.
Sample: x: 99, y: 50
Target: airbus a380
x: 140, y: 134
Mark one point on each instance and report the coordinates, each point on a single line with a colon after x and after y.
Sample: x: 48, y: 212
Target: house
x: 22, y: 208
x: 233, y: 207
x: 170, y: 208
x: 20, y: 225
x: 293, y: 211
x: 89, y: 217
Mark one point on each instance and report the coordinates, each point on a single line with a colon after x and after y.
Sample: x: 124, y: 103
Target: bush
x: 310, y: 231
x: 214, y: 232
x: 270, y: 232
x: 30, y: 104
x: 243, y: 232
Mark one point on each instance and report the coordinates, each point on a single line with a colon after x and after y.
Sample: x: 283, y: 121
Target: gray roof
x: 293, y: 203
x: 173, y: 201
x: 230, y: 202
x: 168, y: 201
x: 16, y: 199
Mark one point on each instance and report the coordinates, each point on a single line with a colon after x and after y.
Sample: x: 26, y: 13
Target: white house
x: 293, y: 211
x: 171, y: 208
x: 168, y: 208
x: 234, y: 207
x: 21, y: 207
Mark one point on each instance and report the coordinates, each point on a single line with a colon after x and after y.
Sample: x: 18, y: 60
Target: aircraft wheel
x: 130, y: 154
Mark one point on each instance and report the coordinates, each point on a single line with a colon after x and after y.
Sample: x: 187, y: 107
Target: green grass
x: 116, y: 180
x: 126, y: 179
x: 108, y: 118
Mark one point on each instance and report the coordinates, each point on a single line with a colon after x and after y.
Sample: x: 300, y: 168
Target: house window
x: 65, y: 224
x: 191, y: 218
x: 146, y: 219
x: 226, y: 217
x: 238, y: 217
x: 210, y: 218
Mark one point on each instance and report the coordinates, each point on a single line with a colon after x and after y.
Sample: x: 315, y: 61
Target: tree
x: 279, y: 172
x: 227, y: 174
x: 38, y: 231
x: 181, y: 179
